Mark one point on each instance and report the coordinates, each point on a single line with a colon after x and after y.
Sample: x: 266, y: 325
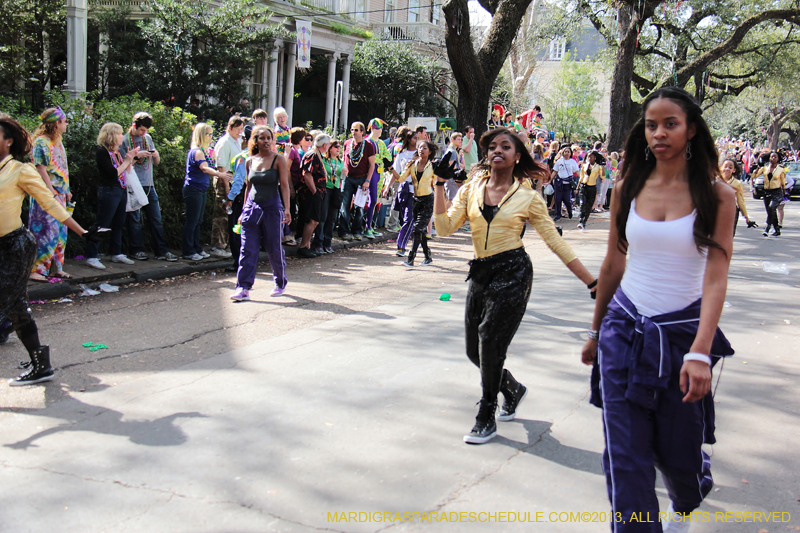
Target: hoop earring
x: 647, y: 152
x: 688, y: 154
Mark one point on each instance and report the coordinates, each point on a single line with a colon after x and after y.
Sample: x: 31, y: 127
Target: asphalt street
x: 351, y: 393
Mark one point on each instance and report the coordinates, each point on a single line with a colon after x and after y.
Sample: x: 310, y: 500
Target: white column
x: 345, y: 125
x: 272, y: 83
x: 76, y: 47
x: 280, y: 78
x: 103, y: 63
x: 331, y: 94
x: 264, y: 81
x: 291, y: 66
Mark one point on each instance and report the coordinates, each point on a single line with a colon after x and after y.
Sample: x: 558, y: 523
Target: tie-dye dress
x: 51, y: 235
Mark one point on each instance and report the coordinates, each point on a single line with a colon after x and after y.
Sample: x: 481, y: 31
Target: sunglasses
x: 356, y: 129
x: 208, y: 134
x: 309, y: 139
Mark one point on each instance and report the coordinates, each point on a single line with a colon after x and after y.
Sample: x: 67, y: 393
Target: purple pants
x: 373, y: 199
x: 405, y: 205
x: 261, y: 226
x: 667, y: 434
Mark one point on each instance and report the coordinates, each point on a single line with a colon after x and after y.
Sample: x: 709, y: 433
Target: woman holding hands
x: 497, y: 201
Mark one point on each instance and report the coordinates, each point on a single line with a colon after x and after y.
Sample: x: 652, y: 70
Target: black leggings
x: 589, y: 194
x: 17, y: 254
x: 499, y: 288
x: 772, y: 199
x: 423, y: 211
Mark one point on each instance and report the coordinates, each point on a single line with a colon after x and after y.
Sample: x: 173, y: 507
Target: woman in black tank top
x: 263, y: 214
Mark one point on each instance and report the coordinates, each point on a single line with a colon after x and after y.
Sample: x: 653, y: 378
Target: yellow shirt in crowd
x: 423, y: 185
x: 17, y: 179
x: 778, y: 180
x: 520, y: 204
x: 591, y: 178
x: 739, y: 188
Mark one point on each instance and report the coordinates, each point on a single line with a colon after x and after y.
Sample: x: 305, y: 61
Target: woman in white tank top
x: 660, y: 295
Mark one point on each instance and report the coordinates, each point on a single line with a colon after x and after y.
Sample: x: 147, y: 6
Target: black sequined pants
x: 499, y: 288
x: 17, y: 254
x: 423, y: 211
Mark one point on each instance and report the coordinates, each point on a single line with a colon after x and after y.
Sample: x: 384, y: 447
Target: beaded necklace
x: 357, y: 154
x: 116, y: 160
x: 145, y: 162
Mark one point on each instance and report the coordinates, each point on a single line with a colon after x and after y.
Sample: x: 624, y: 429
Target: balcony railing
x: 410, y: 31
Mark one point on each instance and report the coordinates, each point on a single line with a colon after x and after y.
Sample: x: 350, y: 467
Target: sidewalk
x: 119, y: 274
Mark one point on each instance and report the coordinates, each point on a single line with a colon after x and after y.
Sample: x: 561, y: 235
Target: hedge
x: 171, y: 132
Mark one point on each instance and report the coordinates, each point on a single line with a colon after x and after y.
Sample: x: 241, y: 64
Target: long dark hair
x: 703, y: 170
x: 21, y: 145
x: 527, y: 168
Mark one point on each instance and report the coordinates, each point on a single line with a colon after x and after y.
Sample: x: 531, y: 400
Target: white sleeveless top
x: 664, y: 271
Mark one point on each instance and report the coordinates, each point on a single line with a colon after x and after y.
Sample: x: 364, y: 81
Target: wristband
x: 440, y: 183
x: 593, y: 334
x: 592, y: 285
x: 696, y: 356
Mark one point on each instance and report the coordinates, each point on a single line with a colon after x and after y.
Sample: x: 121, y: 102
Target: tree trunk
x: 475, y: 72
x: 620, y: 119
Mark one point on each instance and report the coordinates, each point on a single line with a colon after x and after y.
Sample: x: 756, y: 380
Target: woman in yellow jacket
x: 774, y: 188
x: 497, y: 201
x: 421, y: 172
x: 730, y: 173
x: 590, y: 173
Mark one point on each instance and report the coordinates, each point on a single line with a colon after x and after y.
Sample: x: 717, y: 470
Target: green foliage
x: 573, y: 98
x: 33, y: 47
x: 391, y: 79
x: 171, y: 132
x: 188, y: 50
x: 343, y: 29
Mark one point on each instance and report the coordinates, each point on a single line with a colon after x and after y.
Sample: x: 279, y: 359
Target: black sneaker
x: 776, y: 232
x: 39, y: 370
x: 485, y: 428
x: 400, y: 252
x: 511, y: 402
x: 318, y: 251
x: 141, y: 256
x: 408, y: 263
x: 428, y: 261
x: 328, y: 249
x: 306, y: 252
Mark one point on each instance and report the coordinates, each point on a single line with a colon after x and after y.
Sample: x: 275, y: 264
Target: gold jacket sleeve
x: 546, y: 228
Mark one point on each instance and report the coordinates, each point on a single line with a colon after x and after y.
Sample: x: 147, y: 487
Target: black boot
x: 39, y: 371
x: 485, y: 428
x: 513, y: 392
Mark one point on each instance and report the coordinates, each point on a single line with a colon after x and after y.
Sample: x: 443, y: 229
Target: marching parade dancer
x: 18, y: 249
x: 497, y: 201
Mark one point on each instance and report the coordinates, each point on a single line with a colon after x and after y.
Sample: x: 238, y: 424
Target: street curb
x: 53, y: 291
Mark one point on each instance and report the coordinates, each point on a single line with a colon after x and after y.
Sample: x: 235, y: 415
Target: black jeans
x: 111, y: 203
x: 323, y: 235
x: 153, y: 212
x: 195, y: 200
x: 351, y: 185
x: 499, y: 289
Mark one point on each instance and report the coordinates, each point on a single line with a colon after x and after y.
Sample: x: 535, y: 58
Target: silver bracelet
x: 594, y: 334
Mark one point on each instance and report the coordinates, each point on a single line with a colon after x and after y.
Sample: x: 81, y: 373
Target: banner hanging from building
x: 303, y: 43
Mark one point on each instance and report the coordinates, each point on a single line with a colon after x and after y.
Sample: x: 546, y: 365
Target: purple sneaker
x: 241, y: 295
x: 277, y: 291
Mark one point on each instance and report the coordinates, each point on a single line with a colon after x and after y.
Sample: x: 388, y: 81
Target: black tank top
x: 264, y: 185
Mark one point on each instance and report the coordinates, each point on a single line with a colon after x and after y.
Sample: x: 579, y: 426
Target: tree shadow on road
x: 81, y: 416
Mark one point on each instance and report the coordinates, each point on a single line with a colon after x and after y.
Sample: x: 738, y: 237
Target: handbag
x: 137, y: 198
x: 548, y: 189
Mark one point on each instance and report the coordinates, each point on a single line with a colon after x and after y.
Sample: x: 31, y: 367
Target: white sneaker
x: 121, y: 258
x: 217, y: 252
x: 676, y: 523
x: 580, y: 225
x: 95, y: 263
x: 194, y: 257
x: 204, y: 254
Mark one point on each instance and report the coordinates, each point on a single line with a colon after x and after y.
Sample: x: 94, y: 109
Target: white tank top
x: 664, y: 271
